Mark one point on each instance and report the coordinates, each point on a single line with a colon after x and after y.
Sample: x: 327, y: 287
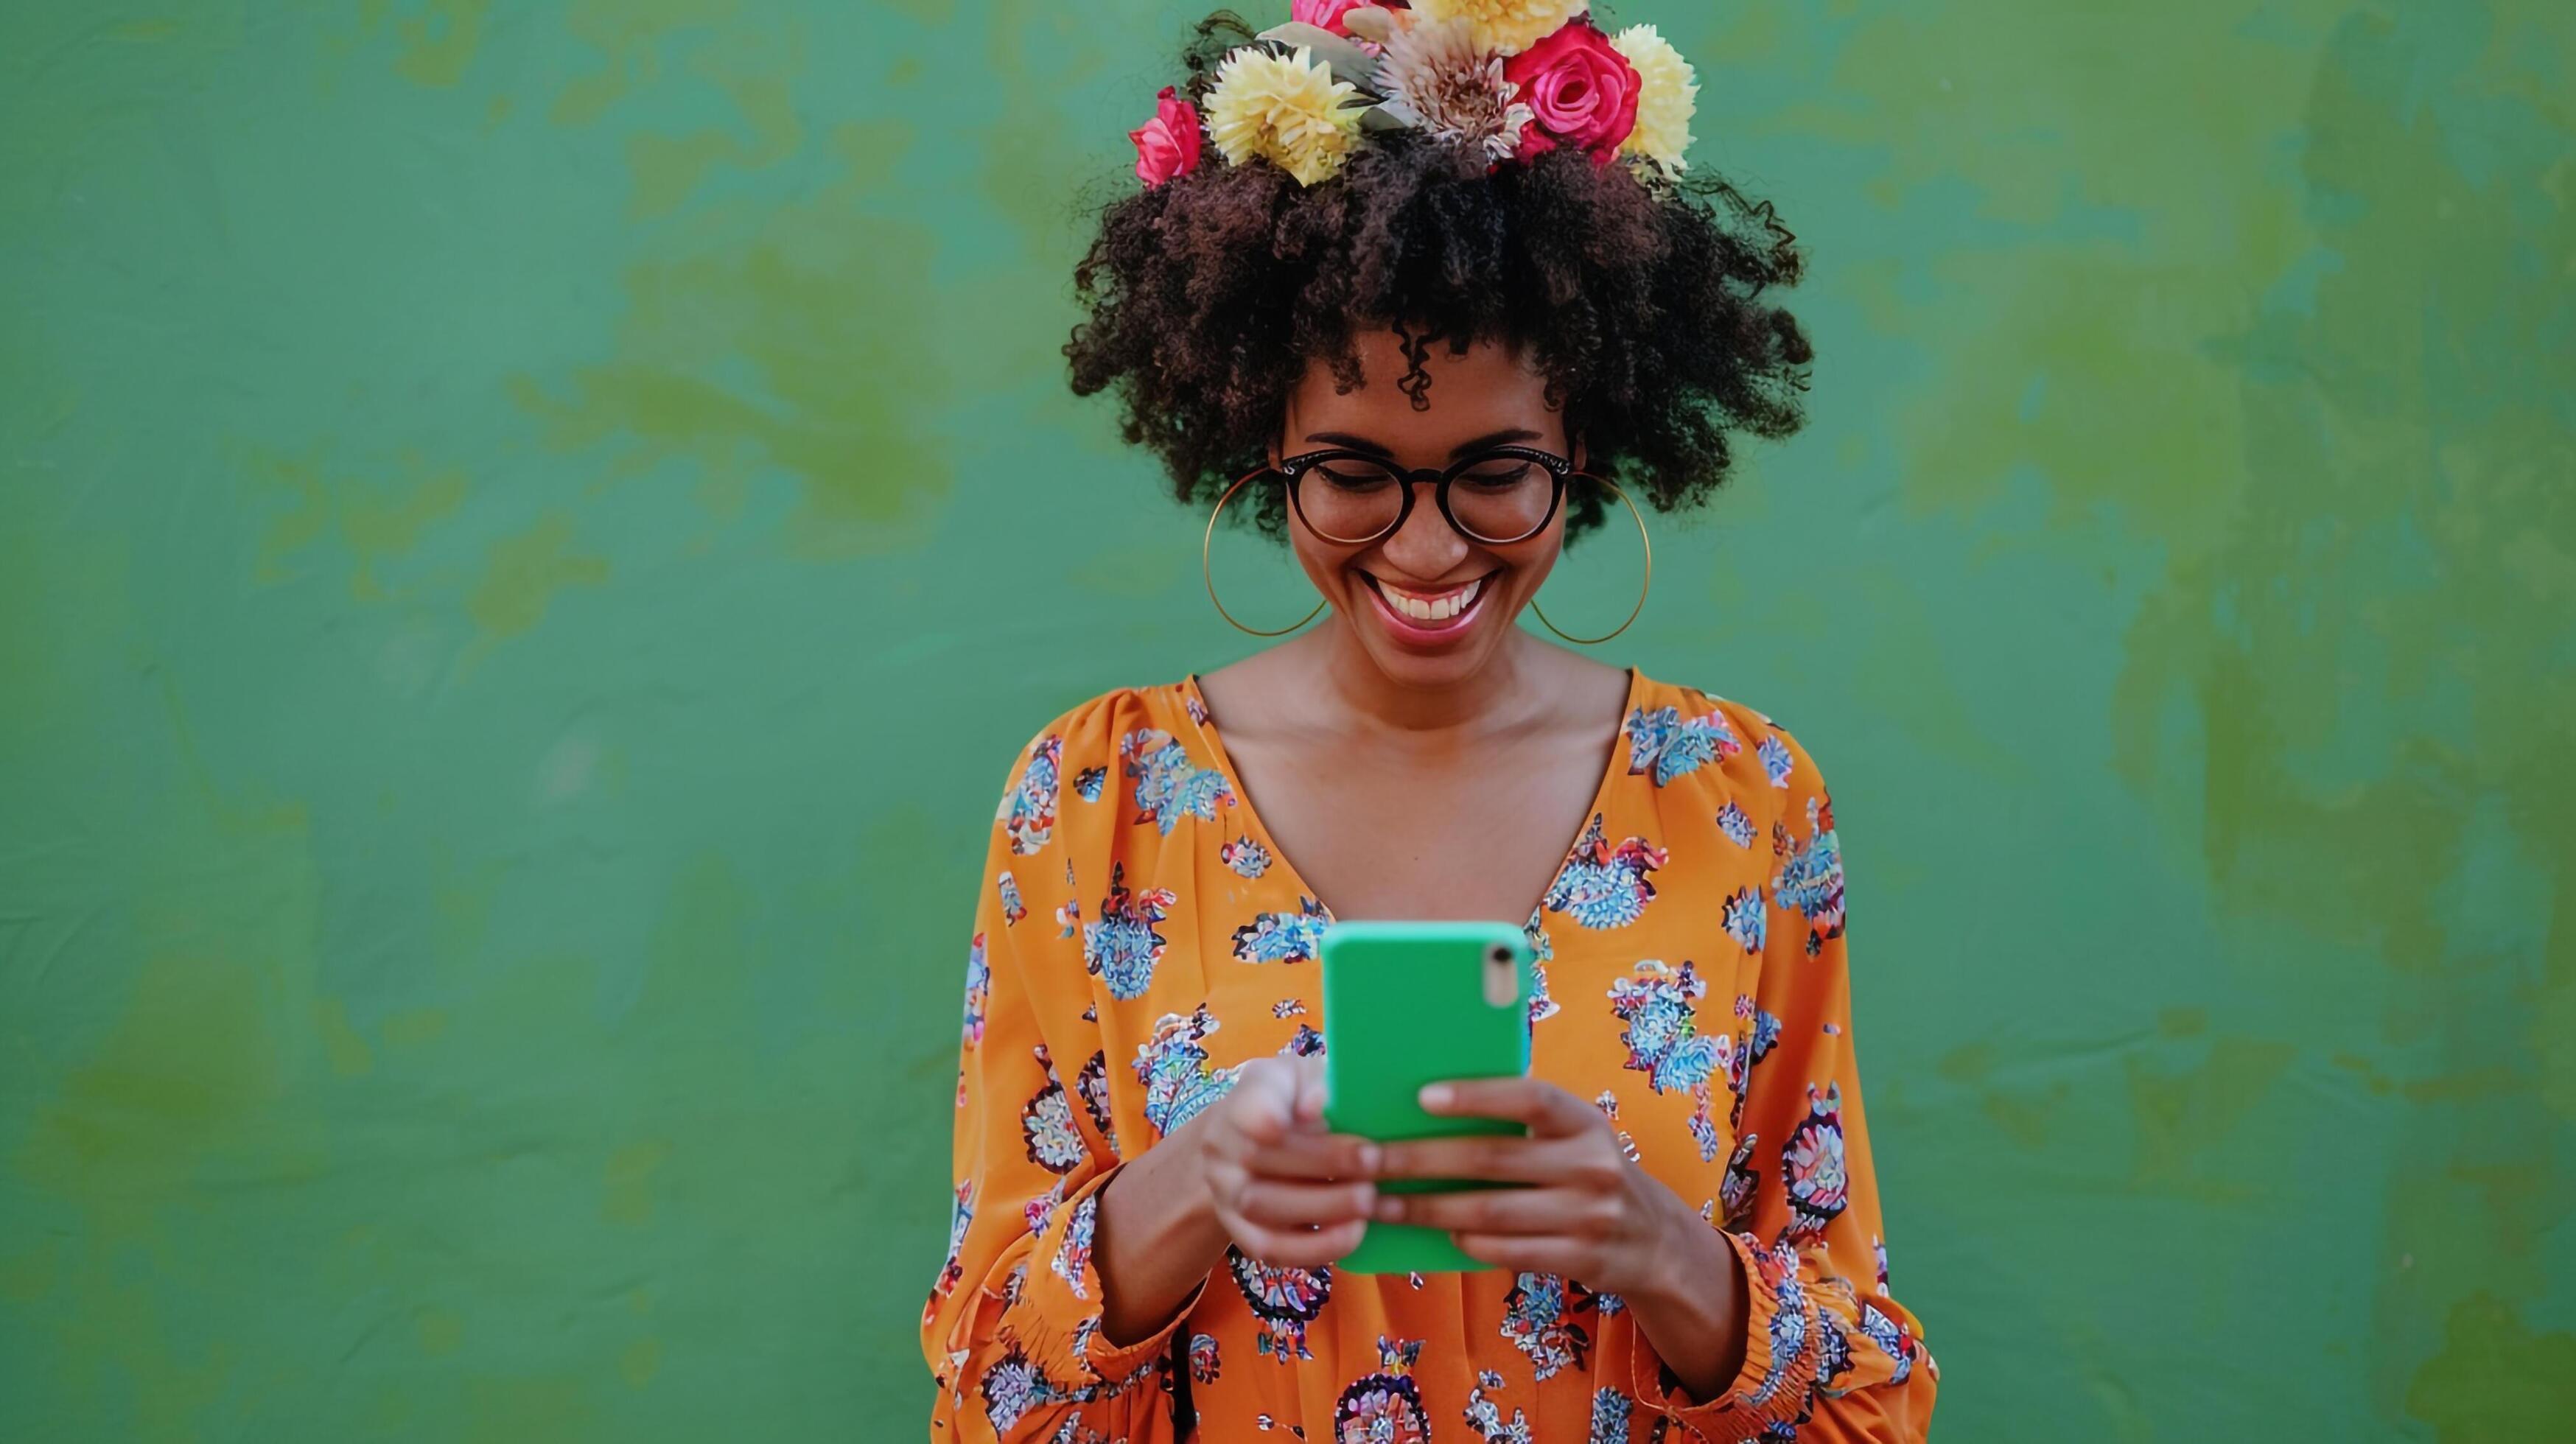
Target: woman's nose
x: 1426, y: 546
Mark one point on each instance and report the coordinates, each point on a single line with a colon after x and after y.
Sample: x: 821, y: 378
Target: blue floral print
x: 1122, y: 948
x: 1738, y: 828
x: 1092, y: 1083
x: 1028, y: 810
x: 979, y: 991
x: 1296, y: 937
x: 1811, y: 881
x: 1660, y: 1007
x: 1892, y: 1338
x: 1384, y: 1407
x: 1609, y: 1417
x: 1811, y: 1165
x: 1173, y: 1066
x: 1776, y: 762
x: 1660, y: 739
x: 1539, y: 1319
x: 1246, y: 857
x: 1169, y: 786
x: 1046, y: 1129
x: 1833, y: 1354
x: 1485, y: 1416
x: 1542, y: 952
x: 1285, y: 1299
x: 1743, y: 918
x: 1205, y: 1365
x: 1788, y: 1332
x: 961, y: 1215
x: 1073, y: 1256
x: 1605, y: 887
x: 1011, y: 1388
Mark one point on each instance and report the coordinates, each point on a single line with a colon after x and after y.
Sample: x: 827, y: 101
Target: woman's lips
x: 1427, y: 614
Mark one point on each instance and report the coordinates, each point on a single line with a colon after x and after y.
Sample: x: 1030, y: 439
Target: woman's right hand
x: 1287, y: 1191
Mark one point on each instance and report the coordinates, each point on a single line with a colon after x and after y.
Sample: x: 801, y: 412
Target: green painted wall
x: 528, y: 534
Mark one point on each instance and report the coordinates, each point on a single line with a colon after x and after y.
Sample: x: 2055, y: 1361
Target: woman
x: 1425, y: 290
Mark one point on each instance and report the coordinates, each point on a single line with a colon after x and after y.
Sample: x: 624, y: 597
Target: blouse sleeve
x: 1012, y: 1326
x: 1829, y: 1355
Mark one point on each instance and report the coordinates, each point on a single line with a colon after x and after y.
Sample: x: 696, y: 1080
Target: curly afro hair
x: 1641, y: 298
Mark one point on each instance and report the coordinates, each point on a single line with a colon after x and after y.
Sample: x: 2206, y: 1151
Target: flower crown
x: 1513, y: 78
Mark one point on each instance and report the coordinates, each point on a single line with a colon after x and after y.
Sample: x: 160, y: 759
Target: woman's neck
x: 1502, y: 693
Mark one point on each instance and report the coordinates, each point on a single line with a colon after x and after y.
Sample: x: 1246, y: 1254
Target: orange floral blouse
x: 1139, y: 937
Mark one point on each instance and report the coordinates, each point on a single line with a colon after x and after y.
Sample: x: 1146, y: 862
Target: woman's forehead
x: 1487, y: 389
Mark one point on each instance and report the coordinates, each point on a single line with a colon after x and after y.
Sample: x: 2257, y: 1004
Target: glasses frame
x: 1292, y: 472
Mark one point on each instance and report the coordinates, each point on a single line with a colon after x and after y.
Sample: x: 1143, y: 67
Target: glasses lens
x: 1502, y: 498
x: 1349, y: 498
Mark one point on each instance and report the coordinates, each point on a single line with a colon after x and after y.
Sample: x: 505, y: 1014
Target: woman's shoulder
x: 1065, y: 788
x: 1095, y: 727
x: 1676, y: 729
x: 1079, y: 749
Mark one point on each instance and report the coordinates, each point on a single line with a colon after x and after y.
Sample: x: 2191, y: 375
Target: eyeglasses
x: 1498, y: 497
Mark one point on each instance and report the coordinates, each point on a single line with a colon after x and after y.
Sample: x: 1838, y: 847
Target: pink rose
x: 1581, y: 92
x: 1324, y: 14
x: 1168, y: 145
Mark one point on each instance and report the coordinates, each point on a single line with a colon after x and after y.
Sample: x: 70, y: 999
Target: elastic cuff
x: 1779, y: 1356
x: 1057, y: 1317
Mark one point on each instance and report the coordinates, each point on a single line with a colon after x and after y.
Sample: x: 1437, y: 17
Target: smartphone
x: 1410, y: 1003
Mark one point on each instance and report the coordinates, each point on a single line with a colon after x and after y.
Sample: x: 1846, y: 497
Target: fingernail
x: 1435, y: 1095
x: 1368, y: 1159
x: 1389, y: 1210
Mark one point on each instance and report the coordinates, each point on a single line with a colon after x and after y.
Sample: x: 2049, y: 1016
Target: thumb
x: 1308, y: 1107
x: 1264, y: 1101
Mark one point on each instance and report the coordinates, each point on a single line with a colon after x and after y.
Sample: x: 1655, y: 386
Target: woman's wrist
x: 1157, y: 1237
x: 1693, y: 1307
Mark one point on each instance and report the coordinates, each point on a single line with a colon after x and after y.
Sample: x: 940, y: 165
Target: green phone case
x: 1405, y: 1005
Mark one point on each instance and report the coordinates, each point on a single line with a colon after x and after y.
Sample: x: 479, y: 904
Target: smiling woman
x: 1434, y: 295
x: 1641, y: 307
x: 1420, y: 596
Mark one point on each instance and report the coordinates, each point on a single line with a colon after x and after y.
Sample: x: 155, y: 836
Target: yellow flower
x: 1506, y: 27
x: 1287, y: 109
x: 1667, y: 93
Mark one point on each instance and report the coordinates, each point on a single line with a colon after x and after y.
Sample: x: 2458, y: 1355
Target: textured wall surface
x: 517, y: 524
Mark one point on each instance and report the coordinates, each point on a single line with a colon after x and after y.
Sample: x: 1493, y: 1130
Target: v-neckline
x: 1203, y: 717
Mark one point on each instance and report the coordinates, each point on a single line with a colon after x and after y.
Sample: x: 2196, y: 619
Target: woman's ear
x: 1577, y: 452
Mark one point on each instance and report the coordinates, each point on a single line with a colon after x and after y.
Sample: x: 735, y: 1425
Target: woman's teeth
x: 1431, y: 609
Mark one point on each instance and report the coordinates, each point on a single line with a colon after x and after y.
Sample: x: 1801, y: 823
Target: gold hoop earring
x: 1207, y: 567
x: 1644, y: 583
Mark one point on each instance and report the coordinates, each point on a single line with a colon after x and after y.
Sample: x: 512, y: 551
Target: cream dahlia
x: 1506, y: 27
x: 1286, y: 109
x: 1667, y: 94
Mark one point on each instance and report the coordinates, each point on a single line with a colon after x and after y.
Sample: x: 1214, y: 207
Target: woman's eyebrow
x: 1345, y: 439
x: 1361, y: 443
x: 1504, y: 437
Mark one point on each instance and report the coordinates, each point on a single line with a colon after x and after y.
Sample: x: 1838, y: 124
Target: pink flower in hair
x: 1580, y: 90
x: 1167, y: 145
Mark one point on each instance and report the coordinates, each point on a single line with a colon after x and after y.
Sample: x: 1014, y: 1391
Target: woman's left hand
x: 1590, y: 1213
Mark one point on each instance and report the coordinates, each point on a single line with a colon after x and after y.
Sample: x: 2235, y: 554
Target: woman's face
x: 1427, y: 604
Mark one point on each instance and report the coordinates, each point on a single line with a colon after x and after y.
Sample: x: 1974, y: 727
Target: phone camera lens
x: 1499, y: 955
